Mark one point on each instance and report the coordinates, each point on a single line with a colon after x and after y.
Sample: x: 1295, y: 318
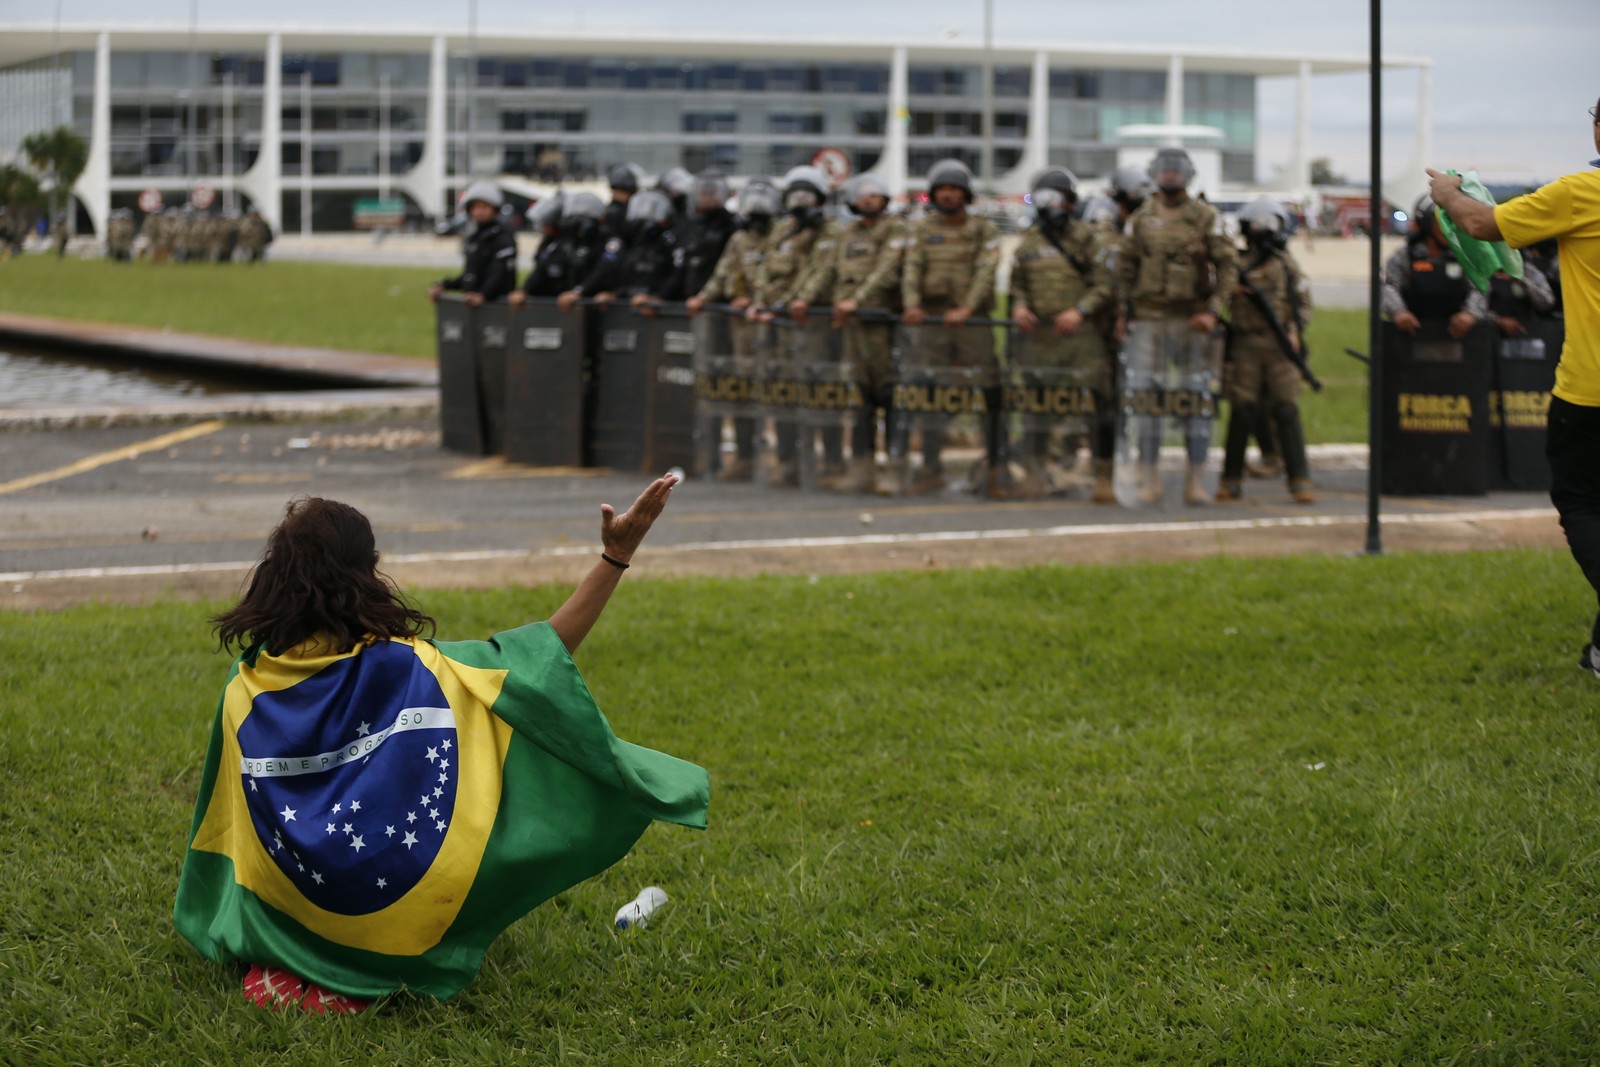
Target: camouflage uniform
x: 119, y: 237
x: 735, y: 279
x: 1049, y: 277
x: 864, y: 267
x: 1176, y: 262
x: 949, y: 265
x: 1261, y: 381
x: 790, y: 254
x: 254, y: 237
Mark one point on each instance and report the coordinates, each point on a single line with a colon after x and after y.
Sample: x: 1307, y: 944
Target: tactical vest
x: 950, y: 259
x: 1508, y: 298
x: 1274, y: 280
x: 1054, y: 281
x: 786, y: 256
x: 1174, y: 263
x: 1438, y: 286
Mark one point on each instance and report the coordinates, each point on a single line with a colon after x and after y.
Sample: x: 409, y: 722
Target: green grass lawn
x: 383, y: 309
x: 1283, y: 811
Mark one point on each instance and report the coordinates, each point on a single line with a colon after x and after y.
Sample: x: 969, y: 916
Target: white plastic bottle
x: 637, y: 911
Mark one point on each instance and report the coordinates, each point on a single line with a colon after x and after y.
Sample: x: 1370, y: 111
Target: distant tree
x: 20, y: 195
x: 59, y: 156
x: 1322, y: 173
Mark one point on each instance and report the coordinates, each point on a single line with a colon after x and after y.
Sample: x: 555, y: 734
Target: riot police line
x: 606, y: 384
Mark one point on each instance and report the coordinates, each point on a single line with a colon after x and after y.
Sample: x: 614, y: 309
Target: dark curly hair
x: 319, y: 577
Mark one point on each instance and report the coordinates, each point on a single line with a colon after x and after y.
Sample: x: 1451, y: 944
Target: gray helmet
x: 758, y: 197
x: 652, y: 205
x: 862, y: 186
x: 488, y: 192
x: 805, y: 179
x: 709, y: 185
x: 1101, y: 211
x: 1055, y: 191
x: 1130, y: 186
x: 582, y: 206
x: 624, y: 176
x: 547, y: 212
x: 1422, y: 214
x: 1171, y: 161
x: 950, y: 172
x: 1264, y: 221
x: 675, y: 182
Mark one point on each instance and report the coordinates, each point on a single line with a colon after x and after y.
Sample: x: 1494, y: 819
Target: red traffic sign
x: 834, y: 163
x: 202, y: 197
x: 150, y: 201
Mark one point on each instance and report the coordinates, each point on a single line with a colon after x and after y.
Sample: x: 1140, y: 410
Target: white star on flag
x: 336, y: 808
x: 315, y: 877
x: 348, y: 828
x: 445, y: 744
x: 253, y: 787
x: 443, y: 764
x: 433, y: 754
x: 438, y: 792
x: 382, y: 884
x: 443, y: 778
x: 411, y: 816
x: 357, y: 844
x: 355, y: 805
x: 331, y: 828
x: 433, y: 813
x: 364, y: 729
x: 287, y: 813
x: 389, y: 830
x: 440, y: 825
x: 409, y: 840
x: 424, y: 799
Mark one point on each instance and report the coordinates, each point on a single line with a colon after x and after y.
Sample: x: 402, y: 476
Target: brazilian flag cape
x: 372, y: 820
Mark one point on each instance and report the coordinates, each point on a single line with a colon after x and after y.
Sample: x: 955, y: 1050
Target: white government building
x: 303, y: 121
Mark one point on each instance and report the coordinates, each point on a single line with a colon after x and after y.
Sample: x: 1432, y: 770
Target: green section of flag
x: 1480, y: 259
x: 574, y: 798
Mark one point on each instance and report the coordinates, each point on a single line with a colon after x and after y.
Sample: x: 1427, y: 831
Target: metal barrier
x: 725, y: 373
x: 1171, y: 382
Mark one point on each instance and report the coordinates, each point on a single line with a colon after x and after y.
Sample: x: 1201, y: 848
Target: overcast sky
x: 1511, y: 80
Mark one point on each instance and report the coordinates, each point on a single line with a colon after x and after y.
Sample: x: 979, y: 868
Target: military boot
x: 1300, y: 491
x: 1194, y: 489
x: 1229, y: 490
x: 860, y: 478
x: 1149, y: 484
x: 1104, y: 490
x: 893, y: 482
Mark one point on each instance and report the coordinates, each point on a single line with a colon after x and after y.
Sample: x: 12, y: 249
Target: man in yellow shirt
x: 1567, y: 209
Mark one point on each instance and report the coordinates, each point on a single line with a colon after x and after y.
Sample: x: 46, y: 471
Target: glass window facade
x: 553, y: 116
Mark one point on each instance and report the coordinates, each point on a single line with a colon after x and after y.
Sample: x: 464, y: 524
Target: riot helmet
x: 676, y: 183
x: 1264, y: 222
x: 650, y: 206
x: 1173, y: 165
x: 861, y: 187
x: 1055, y: 194
x: 708, y: 192
x: 1130, y: 186
x: 1101, y: 211
x: 951, y: 172
x: 582, y: 206
x: 1423, y: 222
x: 547, y: 212
x: 804, y: 189
x: 624, y: 177
x: 488, y: 192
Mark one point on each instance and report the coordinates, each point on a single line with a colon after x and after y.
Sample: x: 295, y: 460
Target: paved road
x: 137, y: 512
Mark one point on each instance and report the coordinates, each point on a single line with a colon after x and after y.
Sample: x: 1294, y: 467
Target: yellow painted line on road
x: 116, y: 455
x: 499, y: 467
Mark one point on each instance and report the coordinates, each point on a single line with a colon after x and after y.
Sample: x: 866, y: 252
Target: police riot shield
x: 644, y: 391
x: 1436, y: 411
x: 813, y: 399
x: 461, y: 398
x: 1170, y: 384
x: 1053, y: 408
x: 1522, y: 374
x: 947, y: 405
x: 544, y: 385
x: 724, y: 394
x: 491, y: 322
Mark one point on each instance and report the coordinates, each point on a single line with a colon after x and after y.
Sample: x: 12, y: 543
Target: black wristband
x: 617, y: 563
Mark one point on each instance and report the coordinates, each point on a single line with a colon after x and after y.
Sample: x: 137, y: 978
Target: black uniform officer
x: 706, y: 234
x: 1424, y: 281
x: 624, y: 181
x: 489, y: 250
x: 641, y: 268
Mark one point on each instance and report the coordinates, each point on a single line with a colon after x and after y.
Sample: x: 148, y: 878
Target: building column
x: 1403, y: 190
x: 425, y: 181
x: 264, y: 180
x: 93, y: 186
x: 1036, y: 154
x: 1300, y: 156
x: 891, y: 166
x: 1174, y: 98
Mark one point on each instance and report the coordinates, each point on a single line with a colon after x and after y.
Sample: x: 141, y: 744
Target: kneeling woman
x: 376, y: 807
